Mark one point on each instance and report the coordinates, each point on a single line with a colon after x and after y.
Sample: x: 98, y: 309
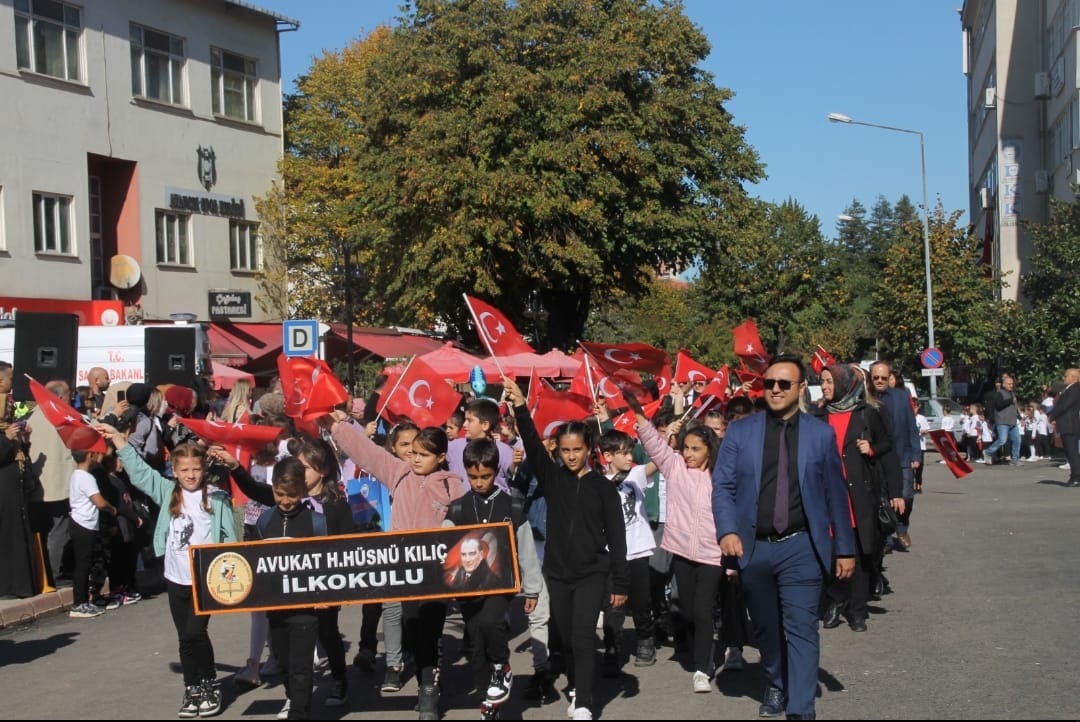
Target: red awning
x: 225, y: 377
x: 386, y: 343
x: 238, y: 344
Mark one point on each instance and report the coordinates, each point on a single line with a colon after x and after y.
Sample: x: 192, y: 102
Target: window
x: 245, y: 246
x: 52, y: 224
x: 157, y: 65
x: 233, y: 83
x: 173, y: 238
x: 47, y: 36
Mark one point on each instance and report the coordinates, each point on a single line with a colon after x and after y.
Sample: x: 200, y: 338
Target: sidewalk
x: 23, y: 611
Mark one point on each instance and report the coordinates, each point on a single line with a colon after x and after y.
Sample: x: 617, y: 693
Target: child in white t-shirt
x: 616, y: 452
x: 86, y: 503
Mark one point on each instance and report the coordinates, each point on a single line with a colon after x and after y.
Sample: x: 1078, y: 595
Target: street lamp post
x: 840, y: 118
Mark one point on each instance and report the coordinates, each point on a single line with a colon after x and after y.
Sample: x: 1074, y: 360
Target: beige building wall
x: 60, y: 133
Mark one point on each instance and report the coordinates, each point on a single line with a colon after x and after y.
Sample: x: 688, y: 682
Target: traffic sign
x: 301, y: 338
x: 933, y: 372
x: 932, y: 358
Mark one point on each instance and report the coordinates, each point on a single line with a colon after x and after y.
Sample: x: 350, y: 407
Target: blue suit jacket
x: 737, y: 482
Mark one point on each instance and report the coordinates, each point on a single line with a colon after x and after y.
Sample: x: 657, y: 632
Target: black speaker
x: 170, y: 356
x: 46, y: 347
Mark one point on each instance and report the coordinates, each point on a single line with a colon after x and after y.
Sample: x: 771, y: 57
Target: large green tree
x: 966, y: 317
x: 551, y: 149
x: 775, y: 270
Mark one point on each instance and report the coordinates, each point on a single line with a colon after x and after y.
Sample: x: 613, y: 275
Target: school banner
x: 461, y: 561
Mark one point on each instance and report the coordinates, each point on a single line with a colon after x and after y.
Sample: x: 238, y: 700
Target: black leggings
x: 196, y: 651
x: 575, y: 607
x: 423, y: 623
x: 330, y: 638
x: 698, y: 585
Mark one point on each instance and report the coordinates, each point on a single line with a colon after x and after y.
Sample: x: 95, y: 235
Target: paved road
x: 982, y: 625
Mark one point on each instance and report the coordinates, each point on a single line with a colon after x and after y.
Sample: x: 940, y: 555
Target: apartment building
x: 1020, y: 60
x: 136, y: 135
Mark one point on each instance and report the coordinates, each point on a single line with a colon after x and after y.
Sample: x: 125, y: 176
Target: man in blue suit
x: 781, y: 507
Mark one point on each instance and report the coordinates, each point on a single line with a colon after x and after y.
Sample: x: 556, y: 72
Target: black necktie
x: 783, y: 491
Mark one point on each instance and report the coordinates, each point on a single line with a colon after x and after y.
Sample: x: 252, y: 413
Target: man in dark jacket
x: 1066, y: 418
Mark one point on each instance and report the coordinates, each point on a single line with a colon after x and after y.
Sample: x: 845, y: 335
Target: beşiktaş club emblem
x: 229, y: 578
x: 207, y: 167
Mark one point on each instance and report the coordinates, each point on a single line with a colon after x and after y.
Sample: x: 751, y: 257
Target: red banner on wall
x: 90, y: 313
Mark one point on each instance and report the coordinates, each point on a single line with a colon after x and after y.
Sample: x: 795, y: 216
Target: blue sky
x: 789, y: 63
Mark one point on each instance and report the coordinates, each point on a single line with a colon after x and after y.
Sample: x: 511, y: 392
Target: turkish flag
x: 421, y: 395
x: 946, y: 446
x: 627, y: 420
x: 240, y: 439
x: 311, y: 390
x: 613, y: 357
x: 76, y: 434
x: 499, y: 336
x: 688, y: 370
x: 663, y: 380
x: 748, y: 346
x: 557, y: 407
x: 756, y: 381
x: 821, y: 359
x: 716, y: 392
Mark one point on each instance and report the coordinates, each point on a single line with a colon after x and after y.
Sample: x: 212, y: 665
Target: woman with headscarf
x: 870, y: 466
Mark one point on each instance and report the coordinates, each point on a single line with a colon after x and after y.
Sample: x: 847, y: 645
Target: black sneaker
x: 210, y: 701
x: 394, y: 680
x: 499, y: 687
x: 339, y: 695
x: 189, y: 708
x: 365, y: 661
x: 611, y: 663
x: 541, y: 687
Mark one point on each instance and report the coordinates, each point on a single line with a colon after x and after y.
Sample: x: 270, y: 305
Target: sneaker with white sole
x: 108, y: 603
x: 189, y: 708
x: 284, y: 713
x: 701, y: 682
x: 499, y: 687
x: 582, y: 713
x: 86, y: 610
x: 210, y: 701
x: 394, y: 679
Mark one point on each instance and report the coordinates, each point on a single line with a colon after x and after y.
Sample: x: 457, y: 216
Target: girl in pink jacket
x: 690, y: 531
x: 422, y: 489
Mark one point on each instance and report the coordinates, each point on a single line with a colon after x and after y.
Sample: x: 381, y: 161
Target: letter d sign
x: 301, y: 338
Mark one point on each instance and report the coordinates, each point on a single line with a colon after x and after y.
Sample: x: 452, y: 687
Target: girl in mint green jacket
x: 191, y: 513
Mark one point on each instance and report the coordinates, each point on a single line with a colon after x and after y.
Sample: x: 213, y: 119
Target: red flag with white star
x: 76, y: 434
x: 689, y: 370
x: 748, y: 346
x: 821, y: 359
x: 498, y: 335
x: 946, y: 446
x: 420, y: 394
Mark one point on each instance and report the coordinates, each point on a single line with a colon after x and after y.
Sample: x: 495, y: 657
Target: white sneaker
x: 733, y: 659
x: 582, y: 713
x: 570, y: 709
x: 701, y: 682
x: 284, y: 713
x: 86, y: 610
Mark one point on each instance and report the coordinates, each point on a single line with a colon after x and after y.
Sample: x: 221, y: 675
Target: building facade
x: 1020, y: 60
x: 136, y: 136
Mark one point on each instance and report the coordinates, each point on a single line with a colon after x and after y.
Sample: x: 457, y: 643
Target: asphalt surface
x: 982, y: 624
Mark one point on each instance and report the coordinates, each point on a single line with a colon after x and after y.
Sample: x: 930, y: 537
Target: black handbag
x: 887, y: 518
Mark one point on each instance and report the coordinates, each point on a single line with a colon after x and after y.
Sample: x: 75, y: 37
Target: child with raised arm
x: 422, y: 489
x: 586, y: 544
x: 191, y: 513
x: 690, y: 531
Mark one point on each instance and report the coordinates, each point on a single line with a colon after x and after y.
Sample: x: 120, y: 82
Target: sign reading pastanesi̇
x: 354, y: 569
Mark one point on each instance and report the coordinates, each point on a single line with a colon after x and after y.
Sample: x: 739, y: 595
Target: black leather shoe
x: 857, y: 625
x: 774, y: 704
x: 831, y: 619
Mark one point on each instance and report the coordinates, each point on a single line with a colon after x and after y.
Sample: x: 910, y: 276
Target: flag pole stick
x: 386, y: 399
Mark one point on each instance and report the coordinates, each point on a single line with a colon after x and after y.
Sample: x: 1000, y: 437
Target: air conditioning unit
x: 991, y: 98
x: 984, y: 197
x: 1042, y: 85
x: 1042, y: 181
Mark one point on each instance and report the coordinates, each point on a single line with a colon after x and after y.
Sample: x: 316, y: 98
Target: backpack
x: 318, y: 523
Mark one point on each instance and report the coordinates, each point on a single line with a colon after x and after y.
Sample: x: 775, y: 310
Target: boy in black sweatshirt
x: 485, y: 617
x: 586, y: 543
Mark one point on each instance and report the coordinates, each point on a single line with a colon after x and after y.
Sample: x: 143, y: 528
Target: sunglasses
x: 879, y: 378
x: 784, y: 384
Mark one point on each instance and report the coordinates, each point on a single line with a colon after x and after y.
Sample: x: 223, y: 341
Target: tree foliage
x: 508, y: 149
x: 966, y: 316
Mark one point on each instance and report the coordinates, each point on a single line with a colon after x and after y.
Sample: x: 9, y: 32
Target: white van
x: 120, y: 350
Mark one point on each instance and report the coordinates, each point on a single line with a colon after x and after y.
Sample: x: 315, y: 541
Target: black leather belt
x: 774, y: 538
